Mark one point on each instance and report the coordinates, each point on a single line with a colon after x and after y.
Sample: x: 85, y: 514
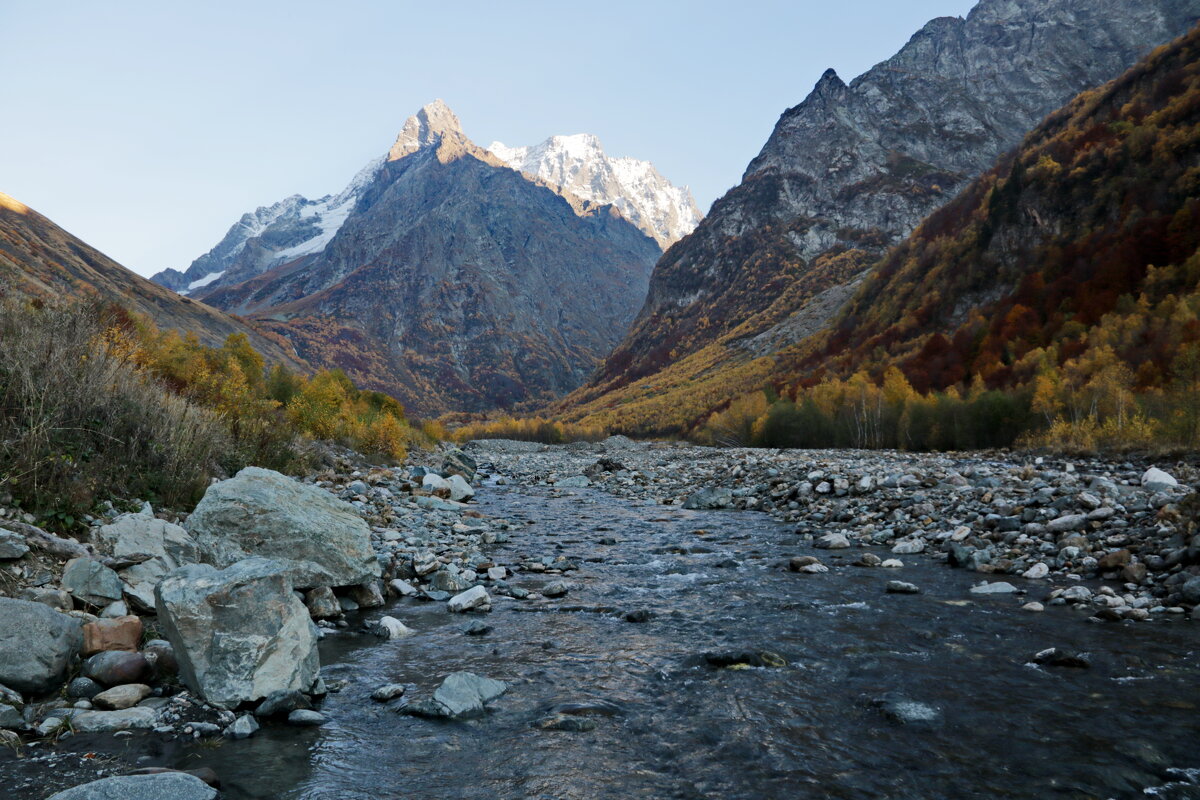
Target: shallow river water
x: 1127, y: 727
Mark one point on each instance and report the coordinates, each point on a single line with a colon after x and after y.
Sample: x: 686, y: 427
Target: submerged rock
x: 461, y: 695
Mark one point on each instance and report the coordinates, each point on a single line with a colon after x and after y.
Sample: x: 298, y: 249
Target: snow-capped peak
x: 579, y: 165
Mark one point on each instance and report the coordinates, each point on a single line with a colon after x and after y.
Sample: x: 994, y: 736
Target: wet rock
x: 306, y: 718
x: 402, y: 588
x: 574, y: 482
x: 906, y: 711
x: 999, y: 587
x: 565, y: 722
x: 385, y: 694
x: 91, y: 582
x: 445, y: 581
x: 472, y: 599
x: 832, y: 541
x: 161, y: 786
x: 37, y: 644
x: 892, y: 563
x: 477, y: 628
x: 900, y: 587
x: 497, y: 573
x: 116, y: 667
x: 281, y: 703
x: 909, y: 547
x: 868, y: 560
x: 1034, y: 606
x: 734, y: 659
x: 84, y: 688
x: 391, y: 628
x: 555, y: 589
x: 1189, y: 591
x: 456, y: 462
x: 121, y: 697
x: 322, y: 603
x: 461, y: 695
x: 243, y: 727
x: 709, y: 499
x: 240, y: 633
x: 122, y: 633
x: 1036, y: 572
x: 320, y: 540
x: 1054, y: 657
x: 639, y: 615
x: 367, y: 595
x: 138, y: 718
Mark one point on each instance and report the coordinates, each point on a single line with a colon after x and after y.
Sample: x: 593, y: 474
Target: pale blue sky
x: 148, y: 128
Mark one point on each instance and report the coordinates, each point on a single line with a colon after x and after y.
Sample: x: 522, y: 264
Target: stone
x: 461, y: 695
x: 1067, y: 522
x: 281, y: 703
x: 37, y: 644
x: 460, y: 490
x: 306, y: 718
x: 121, y: 697
x: 740, y: 659
x: 322, y: 603
x: 403, y: 588
x: 159, y: 786
x: 116, y: 667
x: 1114, y: 559
x: 1134, y: 573
x: 1077, y: 594
x: 122, y: 633
x: 169, y: 546
x: 639, y: 615
x: 470, y: 600
x: 91, y: 582
x: 1035, y: 606
x: 239, y: 633
x: 432, y: 482
x: 909, y: 547
x: 555, y: 589
x: 906, y: 711
x: 115, y: 610
x: 367, y: 595
x: 11, y: 717
x: 868, y: 560
x: 445, y: 581
x: 243, y: 727
x: 574, y: 482
x: 900, y: 587
x: 385, y: 694
x: 709, y: 499
x: 1190, y: 591
x: 391, y: 628
x: 1054, y: 657
x: 55, y: 598
x: 12, y: 545
x: 892, y: 563
x: 565, y: 722
x: 1036, y: 572
x: 456, y: 462
x: 321, y: 540
x: 84, y: 688
x: 832, y: 541
x: 998, y: 587
x: 497, y: 573
x: 162, y: 655
x: 1155, y: 480
x: 138, y: 718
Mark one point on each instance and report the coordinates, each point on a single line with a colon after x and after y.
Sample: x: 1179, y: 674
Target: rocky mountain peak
x: 434, y: 123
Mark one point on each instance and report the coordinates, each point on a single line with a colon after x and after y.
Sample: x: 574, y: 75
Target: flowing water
x: 1127, y: 727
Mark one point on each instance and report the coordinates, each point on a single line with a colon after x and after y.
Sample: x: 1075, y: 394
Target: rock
x: 37, y: 644
x: 367, y: 595
x: 460, y: 490
x: 497, y: 573
x: 139, y: 718
x: 1114, y: 560
x: 574, y: 482
x: 1033, y: 607
x: 456, y: 462
x: 892, y: 563
x: 243, y: 727
x: 905, y: 711
x: 12, y: 545
x: 162, y: 655
x: 555, y: 589
x: 900, y: 587
x: 85, y: 688
x: 709, y: 499
x: 1054, y: 657
x: 477, y: 628
x: 909, y: 547
x: 1077, y: 594
x: 116, y: 667
x: 306, y: 718
x: 565, y: 722
x: 1189, y: 591
x: 1068, y: 522
x: 55, y: 598
x: 1036, y: 572
x: 403, y: 588
x: 461, y: 695
x: 445, y: 581
x: 169, y: 546
x: 281, y: 703
x: 391, y: 628
x: 735, y: 659
x: 868, y: 560
x: 385, y: 694
x: 91, y: 582
x: 470, y: 600
x: 1155, y: 480
x: 322, y: 603
x: 639, y: 615
x: 432, y: 482
x: 832, y: 541
x: 998, y: 587
x: 321, y: 540
x: 122, y: 633
x: 240, y: 633
x: 159, y: 786
x: 122, y: 697
x: 115, y: 610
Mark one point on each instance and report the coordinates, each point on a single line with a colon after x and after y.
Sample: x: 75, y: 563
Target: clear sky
x: 148, y: 128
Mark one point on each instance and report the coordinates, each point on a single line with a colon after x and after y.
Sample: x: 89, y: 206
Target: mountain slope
x: 854, y: 168
x: 578, y: 165
x: 38, y: 259
x: 1083, y: 246
x: 458, y: 283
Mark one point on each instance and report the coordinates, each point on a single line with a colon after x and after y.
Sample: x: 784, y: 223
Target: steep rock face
x: 40, y: 260
x: 457, y: 283
x: 855, y: 167
x: 578, y: 165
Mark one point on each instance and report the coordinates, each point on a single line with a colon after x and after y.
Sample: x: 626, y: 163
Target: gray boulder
x: 320, y: 539
x: 91, y: 582
x: 161, y: 786
x: 169, y: 545
x: 462, y: 694
x: 456, y: 462
x: 138, y: 718
x: 239, y: 634
x: 12, y: 545
x: 37, y: 644
x: 709, y: 499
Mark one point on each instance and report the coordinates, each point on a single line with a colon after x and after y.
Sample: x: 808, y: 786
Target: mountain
x: 457, y: 283
x: 40, y: 260
x: 853, y: 169
x: 1076, y: 256
x: 271, y: 235
x: 578, y: 165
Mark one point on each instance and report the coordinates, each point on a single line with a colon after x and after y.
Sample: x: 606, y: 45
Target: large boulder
x: 162, y: 786
x: 710, y: 499
x: 91, y: 582
x: 320, y: 539
x: 456, y: 462
x: 37, y: 644
x: 169, y: 546
x: 240, y: 633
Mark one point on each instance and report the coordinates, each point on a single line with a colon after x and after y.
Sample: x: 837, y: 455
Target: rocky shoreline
x: 1060, y: 523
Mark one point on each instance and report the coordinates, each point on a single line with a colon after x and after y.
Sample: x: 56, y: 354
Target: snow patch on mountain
x: 578, y: 164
